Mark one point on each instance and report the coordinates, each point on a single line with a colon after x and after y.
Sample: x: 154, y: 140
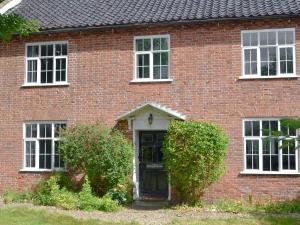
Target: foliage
x: 194, y: 155
x: 106, y: 204
x: 121, y: 194
x: 87, y: 201
x: 243, y: 206
x: 103, y: 154
x: 49, y: 192
x: 30, y: 216
x: 10, y: 196
x: 11, y: 24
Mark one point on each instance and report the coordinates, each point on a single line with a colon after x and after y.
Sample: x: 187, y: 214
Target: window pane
x: 28, y: 130
x: 32, y: 51
x: 164, y: 72
x: 266, y: 146
x: 271, y: 38
x: 47, y: 70
x: 264, y: 54
x: 264, y: 38
x: 61, y: 49
x: 256, y: 128
x: 147, y: 44
x: 272, y: 53
x: 164, y: 58
x: 281, y: 37
x: 289, y: 53
x: 254, y: 39
x: 59, y: 128
x: 248, y: 147
x: 255, y: 162
x: 32, y: 71
x: 248, y: 128
x: 266, y: 128
x: 48, y: 130
x: 156, y: 44
x: 290, y: 67
x: 255, y: 147
x: 156, y: 72
x: 139, y: 45
x: 290, y: 37
x: 146, y: 72
x: 292, y: 162
x: 264, y: 69
x: 274, y: 163
x: 247, y: 68
x: 247, y: 55
x: 283, y: 54
x: 47, y: 50
x: 266, y: 162
x: 156, y: 57
x: 164, y: 44
x: 249, y: 161
x: 283, y: 67
x: 272, y: 69
x: 274, y: 125
x: 285, y: 162
x: 246, y: 39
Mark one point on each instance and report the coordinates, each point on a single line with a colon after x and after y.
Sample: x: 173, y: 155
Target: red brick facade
x: 206, y: 63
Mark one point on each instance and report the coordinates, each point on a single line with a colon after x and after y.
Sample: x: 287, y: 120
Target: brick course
x: 205, y: 66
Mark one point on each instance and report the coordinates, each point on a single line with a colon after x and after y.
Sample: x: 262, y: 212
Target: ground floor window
x: 41, y: 145
x: 266, y: 152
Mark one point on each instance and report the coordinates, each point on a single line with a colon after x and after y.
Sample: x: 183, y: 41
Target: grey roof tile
x: 57, y: 14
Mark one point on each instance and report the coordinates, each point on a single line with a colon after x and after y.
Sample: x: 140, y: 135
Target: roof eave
x: 179, y: 22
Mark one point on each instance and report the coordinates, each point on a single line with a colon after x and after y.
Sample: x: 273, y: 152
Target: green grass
x: 240, y: 221
x: 25, y: 216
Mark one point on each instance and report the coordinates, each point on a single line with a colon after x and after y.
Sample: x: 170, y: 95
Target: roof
x: 154, y: 105
x: 66, y: 14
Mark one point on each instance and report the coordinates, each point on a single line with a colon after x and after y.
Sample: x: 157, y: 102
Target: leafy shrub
x: 87, y: 201
x: 106, y: 204
x: 119, y: 194
x: 64, y: 181
x: 194, y: 155
x: 44, y: 191
x: 10, y: 196
x: 49, y: 192
x: 104, y: 155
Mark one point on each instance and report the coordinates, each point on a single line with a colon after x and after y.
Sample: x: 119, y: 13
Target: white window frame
x: 136, y: 53
x: 280, y: 171
x: 258, y: 47
x: 37, y: 147
x: 38, y: 83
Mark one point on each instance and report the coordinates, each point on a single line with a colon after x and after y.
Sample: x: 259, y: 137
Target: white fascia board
x: 9, y: 5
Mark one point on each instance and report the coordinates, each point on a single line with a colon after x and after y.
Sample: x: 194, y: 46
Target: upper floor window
x: 46, y: 63
x: 266, y: 153
x: 152, y: 58
x: 41, y: 143
x: 268, y: 53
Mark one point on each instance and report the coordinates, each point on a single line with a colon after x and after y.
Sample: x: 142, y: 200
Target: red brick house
x: 138, y: 64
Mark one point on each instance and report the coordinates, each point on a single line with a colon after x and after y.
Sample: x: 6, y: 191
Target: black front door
x: 153, y: 177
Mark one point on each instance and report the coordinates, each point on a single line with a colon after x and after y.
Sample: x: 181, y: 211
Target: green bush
x: 87, y: 201
x: 120, y: 194
x: 44, y: 191
x: 10, y: 196
x: 106, y: 204
x: 49, y: 192
x: 104, y: 155
x: 194, y: 155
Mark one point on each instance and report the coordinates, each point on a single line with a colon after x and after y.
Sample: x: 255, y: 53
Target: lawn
x: 25, y: 216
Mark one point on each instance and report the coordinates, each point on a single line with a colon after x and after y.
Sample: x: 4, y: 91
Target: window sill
x: 152, y: 81
x: 289, y: 173
x: 41, y: 170
x: 269, y: 77
x: 45, y: 85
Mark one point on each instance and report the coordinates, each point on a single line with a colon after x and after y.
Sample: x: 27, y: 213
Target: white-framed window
x: 265, y: 153
x: 46, y: 63
x: 41, y: 146
x: 152, y: 58
x: 269, y: 53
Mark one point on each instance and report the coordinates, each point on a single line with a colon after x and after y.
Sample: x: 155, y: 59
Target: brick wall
x: 205, y: 66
